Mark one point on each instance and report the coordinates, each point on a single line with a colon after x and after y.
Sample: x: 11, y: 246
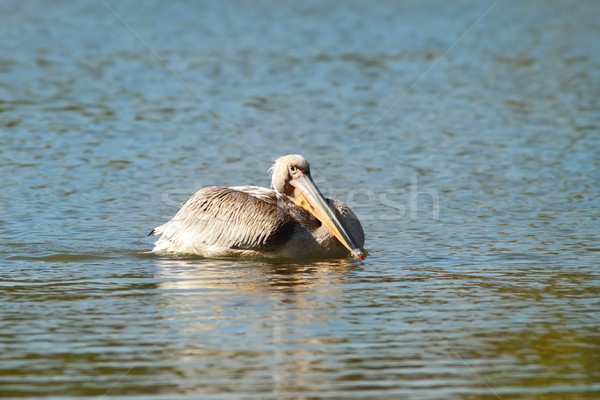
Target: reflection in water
x: 286, y: 328
x: 275, y: 276
x: 562, y: 357
x: 496, y: 298
x: 270, y: 309
x: 199, y: 326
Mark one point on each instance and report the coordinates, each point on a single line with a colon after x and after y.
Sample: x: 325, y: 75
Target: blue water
x: 465, y: 135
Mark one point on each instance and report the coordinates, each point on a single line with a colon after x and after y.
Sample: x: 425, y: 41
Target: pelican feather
x: 291, y: 220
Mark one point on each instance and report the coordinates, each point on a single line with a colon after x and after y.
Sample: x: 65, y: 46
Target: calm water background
x: 465, y: 134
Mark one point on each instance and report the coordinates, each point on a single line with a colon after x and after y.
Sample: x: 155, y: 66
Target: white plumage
x: 290, y: 220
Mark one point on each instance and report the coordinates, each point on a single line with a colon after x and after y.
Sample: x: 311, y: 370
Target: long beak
x: 311, y: 199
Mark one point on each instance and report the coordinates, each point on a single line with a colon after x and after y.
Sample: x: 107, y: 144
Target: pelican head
x: 291, y: 178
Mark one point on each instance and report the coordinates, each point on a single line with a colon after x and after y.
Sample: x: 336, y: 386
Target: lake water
x: 464, y: 134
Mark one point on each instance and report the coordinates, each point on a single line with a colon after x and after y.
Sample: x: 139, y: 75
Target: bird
x: 291, y: 220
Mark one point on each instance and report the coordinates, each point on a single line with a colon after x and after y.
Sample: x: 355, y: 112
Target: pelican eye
x: 292, y: 169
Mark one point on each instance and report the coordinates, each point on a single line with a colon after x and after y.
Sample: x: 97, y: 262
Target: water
x: 464, y: 134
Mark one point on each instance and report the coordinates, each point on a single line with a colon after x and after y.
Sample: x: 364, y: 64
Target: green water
x: 465, y: 135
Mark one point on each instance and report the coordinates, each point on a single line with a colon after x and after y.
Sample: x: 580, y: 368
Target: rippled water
x: 464, y: 134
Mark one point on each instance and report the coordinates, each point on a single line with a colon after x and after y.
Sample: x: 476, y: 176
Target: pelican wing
x: 238, y: 218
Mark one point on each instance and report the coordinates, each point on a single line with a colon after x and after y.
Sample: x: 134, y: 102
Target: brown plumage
x: 288, y: 221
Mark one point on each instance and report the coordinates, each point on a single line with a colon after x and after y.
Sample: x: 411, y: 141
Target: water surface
x: 464, y: 134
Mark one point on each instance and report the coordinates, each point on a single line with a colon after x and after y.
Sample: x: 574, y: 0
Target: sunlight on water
x: 465, y: 135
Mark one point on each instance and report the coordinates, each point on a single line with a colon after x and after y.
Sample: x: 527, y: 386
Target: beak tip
x: 359, y: 254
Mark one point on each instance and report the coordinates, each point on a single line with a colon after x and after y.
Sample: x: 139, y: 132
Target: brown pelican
x: 291, y: 220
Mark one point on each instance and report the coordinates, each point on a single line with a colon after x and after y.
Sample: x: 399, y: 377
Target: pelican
x: 292, y: 220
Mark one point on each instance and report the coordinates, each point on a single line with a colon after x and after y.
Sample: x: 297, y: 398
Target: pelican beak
x: 309, y: 197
